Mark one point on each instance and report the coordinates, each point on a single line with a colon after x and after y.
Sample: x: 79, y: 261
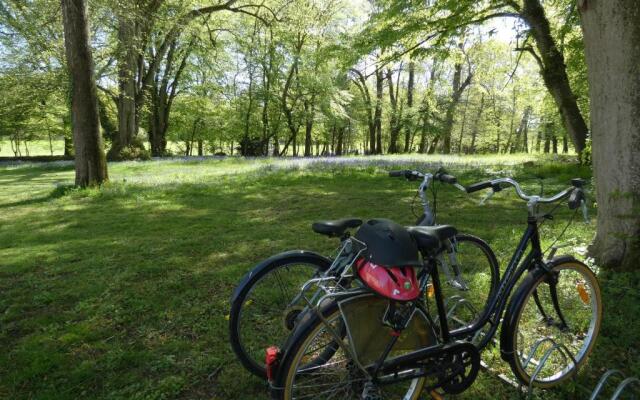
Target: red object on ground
x: 271, y: 360
x: 397, y: 283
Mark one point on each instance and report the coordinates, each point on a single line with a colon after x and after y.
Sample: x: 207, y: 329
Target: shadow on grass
x: 122, y: 292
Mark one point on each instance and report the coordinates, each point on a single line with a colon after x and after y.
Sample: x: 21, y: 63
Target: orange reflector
x: 582, y: 291
x: 430, y: 290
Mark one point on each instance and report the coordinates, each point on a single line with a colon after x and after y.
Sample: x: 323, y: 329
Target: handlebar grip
x: 478, y: 186
x: 446, y: 178
x: 395, y: 174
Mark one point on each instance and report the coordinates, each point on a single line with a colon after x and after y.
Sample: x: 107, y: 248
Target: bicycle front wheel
x: 471, y: 275
x: 553, y: 323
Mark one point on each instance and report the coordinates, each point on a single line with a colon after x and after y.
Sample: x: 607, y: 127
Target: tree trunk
x: 521, y: 133
x: 554, y: 72
x: 395, y: 117
x: 69, y: 151
x: 548, y: 132
x: 127, y: 64
x: 410, y: 88
x: 90, y: 162
x: 565, y: 144
x: 476, y: 125
x: 554, y: 142
x: 309, y: 110
x: 378, y: 113
x: 457, y: 89
x: 463, y: 123
x: 339, y: 146
x: 611, y: 36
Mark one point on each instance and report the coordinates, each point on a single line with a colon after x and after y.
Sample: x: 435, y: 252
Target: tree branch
x: 109, y: 93
x: 535, y: 55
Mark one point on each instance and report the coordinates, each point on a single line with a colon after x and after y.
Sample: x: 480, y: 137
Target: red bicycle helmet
x: 397, y: 283
x: 387, y: 264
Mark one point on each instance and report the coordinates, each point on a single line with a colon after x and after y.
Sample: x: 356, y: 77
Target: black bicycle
x: 266, y: 305
x: 387, y: 349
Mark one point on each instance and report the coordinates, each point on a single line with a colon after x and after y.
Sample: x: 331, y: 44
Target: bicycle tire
x: 253, y: 363
x: 295, y: 348
x: 511, y: 336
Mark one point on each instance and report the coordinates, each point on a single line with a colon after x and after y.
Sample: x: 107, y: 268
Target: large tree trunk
x: 127, y: 64
x: 554, y: 73
x: 611, y: 36
x: 90, y: 162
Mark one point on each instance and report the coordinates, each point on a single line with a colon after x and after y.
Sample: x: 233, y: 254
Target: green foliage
x: 268, y: 72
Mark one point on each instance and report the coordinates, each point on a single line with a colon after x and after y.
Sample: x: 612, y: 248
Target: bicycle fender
x: 279, y: 259
x: 516, y: 300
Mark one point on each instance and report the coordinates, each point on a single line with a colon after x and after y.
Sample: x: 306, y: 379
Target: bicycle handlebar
x: 495, y: 184
x: 440, y: 175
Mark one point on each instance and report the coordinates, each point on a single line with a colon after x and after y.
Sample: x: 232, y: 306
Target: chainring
x: 452, y: 368
x: 463, y: 364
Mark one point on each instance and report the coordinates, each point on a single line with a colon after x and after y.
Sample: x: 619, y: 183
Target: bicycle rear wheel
x: 300, y: 376
x: 553, y: 323
x: 262, y: 312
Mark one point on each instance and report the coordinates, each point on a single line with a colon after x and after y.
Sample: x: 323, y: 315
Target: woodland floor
x: 122, y: 292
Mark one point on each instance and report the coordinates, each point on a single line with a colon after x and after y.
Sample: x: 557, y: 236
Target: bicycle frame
x: 496, y: 306
x: 517, y: 266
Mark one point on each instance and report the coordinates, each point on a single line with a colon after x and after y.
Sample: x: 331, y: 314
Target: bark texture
x: 90, y: 162
x: 612, y: 36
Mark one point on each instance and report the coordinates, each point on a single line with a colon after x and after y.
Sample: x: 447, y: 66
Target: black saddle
x: 336, y: 227
x: 430, y: 238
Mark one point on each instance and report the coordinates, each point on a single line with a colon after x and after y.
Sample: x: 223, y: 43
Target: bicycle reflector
x: 272, y: 359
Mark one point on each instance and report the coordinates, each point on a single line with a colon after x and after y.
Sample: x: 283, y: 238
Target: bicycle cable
x: 563, y: 230
x: 413, y: 204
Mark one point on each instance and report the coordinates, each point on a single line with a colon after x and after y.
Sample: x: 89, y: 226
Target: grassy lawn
x: 122, y: 292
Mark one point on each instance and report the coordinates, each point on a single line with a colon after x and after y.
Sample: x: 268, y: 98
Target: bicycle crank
x: 452, y: 368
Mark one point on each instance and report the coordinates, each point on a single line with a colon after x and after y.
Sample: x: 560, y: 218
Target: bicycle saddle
x: 431, y: 237
x: 335, y: 227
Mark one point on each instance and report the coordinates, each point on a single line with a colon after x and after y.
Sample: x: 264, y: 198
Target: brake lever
x: 487, y: 197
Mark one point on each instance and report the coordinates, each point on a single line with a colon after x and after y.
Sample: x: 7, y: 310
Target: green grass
x: 35, y: 148
x: 122, y: 292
